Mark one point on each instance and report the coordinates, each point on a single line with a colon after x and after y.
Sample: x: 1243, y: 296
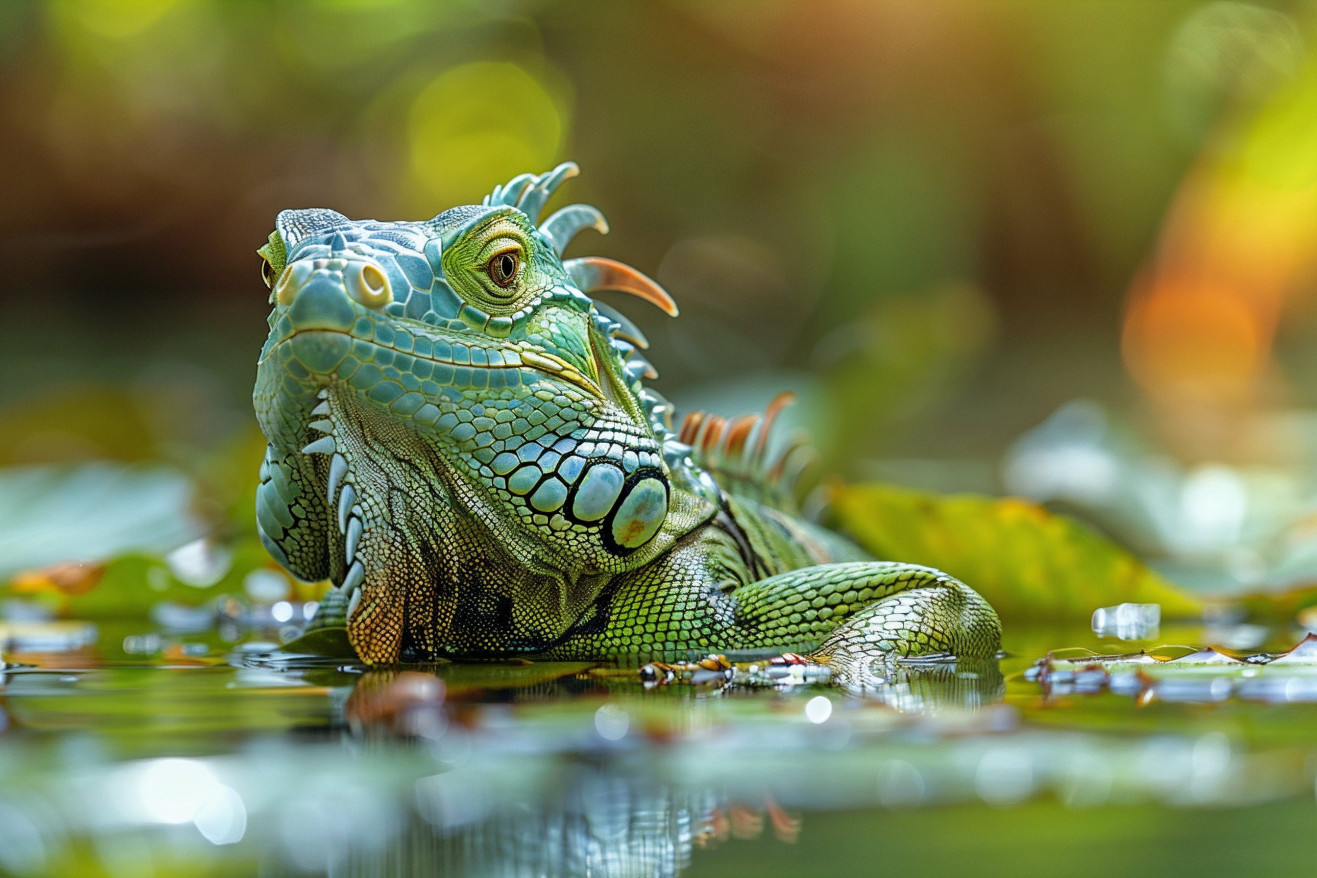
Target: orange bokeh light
x: 1196, y: 341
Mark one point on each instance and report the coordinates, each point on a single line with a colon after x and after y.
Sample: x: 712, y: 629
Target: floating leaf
x: 1028, y: 562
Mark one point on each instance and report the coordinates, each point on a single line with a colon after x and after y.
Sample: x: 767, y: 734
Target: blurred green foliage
x: 924, y: 217
x: 810, y: 180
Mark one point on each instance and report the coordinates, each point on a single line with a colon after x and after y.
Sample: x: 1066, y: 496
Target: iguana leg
x: 698, y: 600
x: 868, y: 608
x: 291, y: 517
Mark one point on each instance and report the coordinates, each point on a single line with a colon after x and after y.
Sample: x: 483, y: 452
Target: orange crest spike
x: 591, y: 273
x: 690, y: 425
x: 737, y: 434
x: 781, y: 401
x: 712, y: 433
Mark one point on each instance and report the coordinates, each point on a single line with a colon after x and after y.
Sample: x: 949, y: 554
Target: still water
x: 127, y: 751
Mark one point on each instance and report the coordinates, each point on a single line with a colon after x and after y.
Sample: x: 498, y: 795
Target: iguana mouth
x: 503, y: 357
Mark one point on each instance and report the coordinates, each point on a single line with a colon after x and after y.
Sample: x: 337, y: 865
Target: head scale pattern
x: 529, y: 193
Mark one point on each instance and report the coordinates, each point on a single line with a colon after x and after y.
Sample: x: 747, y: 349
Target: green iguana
x: 462, y: 440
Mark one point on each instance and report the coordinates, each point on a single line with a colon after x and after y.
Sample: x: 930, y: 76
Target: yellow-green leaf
x: 1028, y: 562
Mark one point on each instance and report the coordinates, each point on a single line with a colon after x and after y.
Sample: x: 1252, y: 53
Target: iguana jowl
x: 462, y: 440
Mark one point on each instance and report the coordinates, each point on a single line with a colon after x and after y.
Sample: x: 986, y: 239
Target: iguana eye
x: 502, y: 269
x: 268, y: 274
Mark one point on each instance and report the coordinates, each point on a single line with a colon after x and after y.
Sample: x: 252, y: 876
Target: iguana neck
x: 499, y: 587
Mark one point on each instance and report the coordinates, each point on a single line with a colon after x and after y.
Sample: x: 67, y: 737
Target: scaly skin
x: 462, y: 441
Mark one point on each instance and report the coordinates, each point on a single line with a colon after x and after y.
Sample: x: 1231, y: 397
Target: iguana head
x: 468, y: 341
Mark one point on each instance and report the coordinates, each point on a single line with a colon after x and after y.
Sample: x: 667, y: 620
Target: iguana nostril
x: 369, y: 286
x: 292, y: 279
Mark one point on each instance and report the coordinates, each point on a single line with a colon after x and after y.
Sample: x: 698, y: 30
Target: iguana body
x: 462, y: 441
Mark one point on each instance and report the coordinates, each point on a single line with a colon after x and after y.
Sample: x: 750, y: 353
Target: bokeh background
x: 1062, y: 249
x: 943, y: 223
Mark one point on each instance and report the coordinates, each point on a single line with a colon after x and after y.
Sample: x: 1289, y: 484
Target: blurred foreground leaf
x: 1028, y: 562
x: 91, y: 512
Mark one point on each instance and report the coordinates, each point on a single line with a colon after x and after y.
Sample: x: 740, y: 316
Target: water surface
x: 132, y: 751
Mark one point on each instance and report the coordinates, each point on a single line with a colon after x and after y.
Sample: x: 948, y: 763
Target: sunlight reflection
x: 1128, y: 621
x: 900, y: 784
x: 818, y: 709
x: 222, y: 818
x: 1005, y: 776
x: 1214, y: 503
x: 21, y: 847
x: 611, y: 722
x: 173, y: 790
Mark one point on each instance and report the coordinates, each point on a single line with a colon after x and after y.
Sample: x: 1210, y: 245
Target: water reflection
x: 490, y: 806
x: 266, y: 762
x: 916, y: 687
x: 601, y: 824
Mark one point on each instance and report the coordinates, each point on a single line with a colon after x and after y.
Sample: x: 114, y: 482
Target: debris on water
x: 655, y: 674
x: 710, y: 669
x: 779, y: 671
x: 785, y: 671
x: 1128, y: 621
x: 1303, y: 653
x: 1206, y: 676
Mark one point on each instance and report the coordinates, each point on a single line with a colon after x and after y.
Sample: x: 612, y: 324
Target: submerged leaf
x: 1029, y: 563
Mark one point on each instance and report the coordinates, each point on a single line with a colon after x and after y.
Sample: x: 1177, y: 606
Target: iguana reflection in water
x: 463, y: 441
x: 604, y: 817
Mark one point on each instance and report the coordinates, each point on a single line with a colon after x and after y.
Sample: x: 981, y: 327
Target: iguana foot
x: 936, y: 615
x: 870, y: 609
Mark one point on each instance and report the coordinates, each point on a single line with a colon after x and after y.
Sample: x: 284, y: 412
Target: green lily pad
x: 1028, y: 562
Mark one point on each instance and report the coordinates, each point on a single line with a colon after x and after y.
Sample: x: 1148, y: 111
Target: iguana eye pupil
x: 503, y: 269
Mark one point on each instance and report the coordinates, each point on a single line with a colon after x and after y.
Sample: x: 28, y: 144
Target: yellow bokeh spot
x: 115, y: 19
x: 481, y: 122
